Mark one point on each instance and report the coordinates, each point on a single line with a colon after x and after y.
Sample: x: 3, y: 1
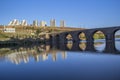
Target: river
x: 42, y: 62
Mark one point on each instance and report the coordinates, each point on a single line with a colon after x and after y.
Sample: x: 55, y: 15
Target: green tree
x: 38, y: 31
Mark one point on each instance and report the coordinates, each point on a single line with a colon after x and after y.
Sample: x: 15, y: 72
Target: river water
x: 42, y: 62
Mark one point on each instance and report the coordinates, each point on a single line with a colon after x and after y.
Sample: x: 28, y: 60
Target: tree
x: 38, y: 31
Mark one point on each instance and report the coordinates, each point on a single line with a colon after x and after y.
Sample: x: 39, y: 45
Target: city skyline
x: 24, y: 22
x: 77, y: 13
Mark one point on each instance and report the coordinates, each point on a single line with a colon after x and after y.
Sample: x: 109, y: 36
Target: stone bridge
x: 109, y: 33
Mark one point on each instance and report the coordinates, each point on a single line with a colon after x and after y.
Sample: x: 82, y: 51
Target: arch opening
x: 69, y: 38
x: 69, y: 41
x: 82, y: 36
x: 117, y: 40
x: 99, y: 41
x: 82, y: 42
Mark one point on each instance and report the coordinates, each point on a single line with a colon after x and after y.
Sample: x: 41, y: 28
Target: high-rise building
x: 52, y: 23
x: 10, y: 23
x: 24, y: 23
x: 43, y: 23
x: 15, y: 22
x: 62, y: 23
x: 35, y: 23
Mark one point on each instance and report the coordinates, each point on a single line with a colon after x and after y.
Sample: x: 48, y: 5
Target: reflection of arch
x: 82, y: 45
x: 68, y: 38
x: 69, y: 46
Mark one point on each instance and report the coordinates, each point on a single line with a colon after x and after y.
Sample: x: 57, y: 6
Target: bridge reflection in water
x: 41, y: 52
x: 92, y: 47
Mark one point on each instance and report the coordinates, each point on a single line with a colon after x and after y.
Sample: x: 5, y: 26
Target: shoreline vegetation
x: 34, y: 32
x: 38, y: 32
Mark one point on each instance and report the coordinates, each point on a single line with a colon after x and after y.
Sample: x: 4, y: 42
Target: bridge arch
x: 89, y: 33
x: 99, y: 40
x: 117, y: 39
x: 95, y: 34
x: 67, y: 37
x: 81, y: 40
x: 82, y: 36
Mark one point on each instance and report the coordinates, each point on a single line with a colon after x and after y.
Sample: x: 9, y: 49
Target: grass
x: 4, y: 36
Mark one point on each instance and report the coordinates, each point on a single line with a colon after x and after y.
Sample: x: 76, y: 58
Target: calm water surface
x: 43, y: 63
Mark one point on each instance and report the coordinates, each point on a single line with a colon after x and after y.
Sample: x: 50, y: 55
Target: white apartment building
x: 43, y: 23
x: 9, y: 30
x: 52, y: 23
x: 24, y: 23
x: 35, y: 23
x: 15, y: 22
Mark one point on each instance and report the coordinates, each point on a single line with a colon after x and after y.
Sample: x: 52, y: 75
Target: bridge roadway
x: 109, y: 33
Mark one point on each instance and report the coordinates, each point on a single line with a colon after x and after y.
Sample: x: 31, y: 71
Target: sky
x: 75, y: 13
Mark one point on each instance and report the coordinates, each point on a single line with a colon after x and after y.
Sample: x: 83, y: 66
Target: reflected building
x: 54, y: 56
x: 37, y: 58
x: 64, y: 55
x: 44, y: 57
x: 26, y: 59
x: 20, y: 55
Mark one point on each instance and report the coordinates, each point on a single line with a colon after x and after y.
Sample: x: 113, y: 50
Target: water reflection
x: 117, y: 43
x: 69, y: 45
x: 99, y: 46
x: 38, y: 53
x: 117, y: 39
x: 43, y: 52
x: 82, y: 45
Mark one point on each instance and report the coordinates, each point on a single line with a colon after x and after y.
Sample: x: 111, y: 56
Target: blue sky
x: 76, y: 13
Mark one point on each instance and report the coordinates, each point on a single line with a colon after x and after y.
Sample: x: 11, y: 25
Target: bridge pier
x: 75, y: 37
x: 89, y: 42
x: 76, y: 47
x: 63, y: 47
x: 110, y: 42
x: 90, y: 46
x: 54, y: 41
x: 62, y: 39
